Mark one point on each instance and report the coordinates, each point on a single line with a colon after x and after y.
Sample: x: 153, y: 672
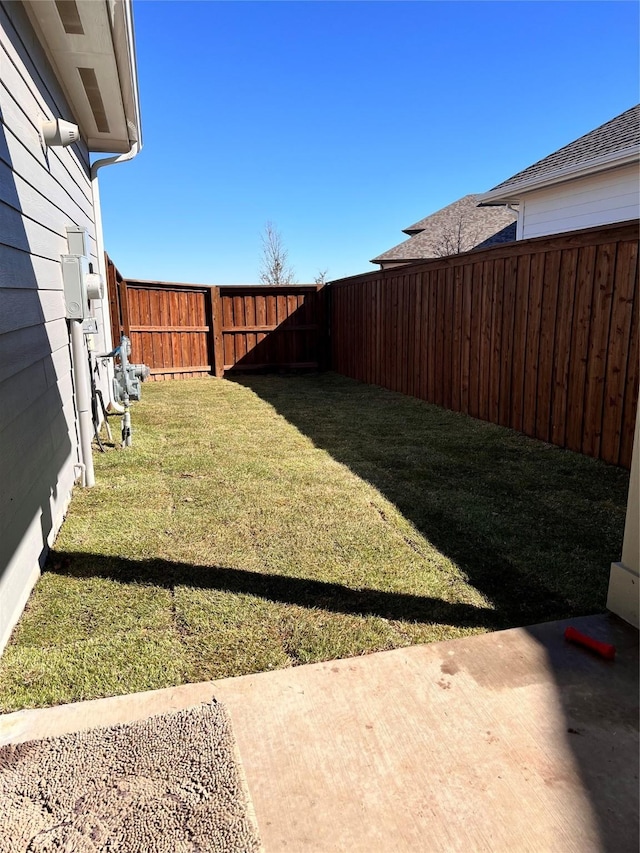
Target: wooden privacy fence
x: 186, y: 330
x: 539, y: 335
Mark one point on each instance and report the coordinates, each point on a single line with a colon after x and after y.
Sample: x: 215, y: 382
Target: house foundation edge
x: 623, y: 597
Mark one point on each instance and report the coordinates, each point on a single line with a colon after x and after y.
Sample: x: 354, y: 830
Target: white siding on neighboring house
x: 41, y: 192
x: 599, y: 199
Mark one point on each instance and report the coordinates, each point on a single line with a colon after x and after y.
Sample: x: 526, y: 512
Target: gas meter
x: 127, y: 377
x: 127, y: 380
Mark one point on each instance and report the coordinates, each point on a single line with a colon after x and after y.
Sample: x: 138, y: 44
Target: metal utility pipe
x: 125, y: 345
x: 126, y: 424
x: 83, y: 399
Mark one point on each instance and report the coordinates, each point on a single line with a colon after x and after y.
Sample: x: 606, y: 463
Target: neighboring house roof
x: 507, y: 235
x: 459, y: 227
x: 91, y: 47
x: 417, y: 227
x: 614, y: 143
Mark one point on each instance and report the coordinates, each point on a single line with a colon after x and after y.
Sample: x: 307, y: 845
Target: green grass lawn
x: 280, y: 520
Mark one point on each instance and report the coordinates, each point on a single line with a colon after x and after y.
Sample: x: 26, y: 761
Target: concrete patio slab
x: 509, y: 741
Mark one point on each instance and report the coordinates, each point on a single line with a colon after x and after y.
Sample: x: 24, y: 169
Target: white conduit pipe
x: 135, y: 140
x: 83, y: 399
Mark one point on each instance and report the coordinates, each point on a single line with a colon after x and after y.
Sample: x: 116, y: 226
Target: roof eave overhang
x: 92, y: 53
x: 398, y: 260
x: 511, y: 194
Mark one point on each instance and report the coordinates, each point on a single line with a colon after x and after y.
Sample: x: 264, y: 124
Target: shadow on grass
x: 282, y: 589
x: 533, y: 527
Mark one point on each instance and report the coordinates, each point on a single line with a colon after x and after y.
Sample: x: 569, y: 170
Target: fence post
x: 114, y: 300
x: 216, y: 325
x: 124, y: 309
x: 324, y: 327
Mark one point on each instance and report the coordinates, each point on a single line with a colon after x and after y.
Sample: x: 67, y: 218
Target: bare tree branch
x: 274, y: 267
x: 461, y: 235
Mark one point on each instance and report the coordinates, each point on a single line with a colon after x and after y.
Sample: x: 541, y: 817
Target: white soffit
x: 78, y: 38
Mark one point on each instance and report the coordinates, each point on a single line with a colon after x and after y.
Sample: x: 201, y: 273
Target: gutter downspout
x: 134, y: 128
x: 102, y: 267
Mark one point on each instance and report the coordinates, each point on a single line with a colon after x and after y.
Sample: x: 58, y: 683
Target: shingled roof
x: 459, y: 227
x: 613, y: 141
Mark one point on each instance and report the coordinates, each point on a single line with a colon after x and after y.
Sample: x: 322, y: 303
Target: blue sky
x: 344, y: 122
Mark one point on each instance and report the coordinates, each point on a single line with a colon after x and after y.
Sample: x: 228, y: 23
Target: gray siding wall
x: 41, y: 192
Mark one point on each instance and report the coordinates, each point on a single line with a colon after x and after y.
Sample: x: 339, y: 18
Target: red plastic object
x: 605, y: 650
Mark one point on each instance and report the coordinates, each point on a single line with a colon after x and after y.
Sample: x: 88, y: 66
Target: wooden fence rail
x: 539, y: 335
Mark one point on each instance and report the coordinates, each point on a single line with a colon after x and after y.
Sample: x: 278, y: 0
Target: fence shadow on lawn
x: 439, y: 486
x: 281, y: 589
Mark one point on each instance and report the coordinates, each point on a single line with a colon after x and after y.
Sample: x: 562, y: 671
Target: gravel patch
x: 167, y: 784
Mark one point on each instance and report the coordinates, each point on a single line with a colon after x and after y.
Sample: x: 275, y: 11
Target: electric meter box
x: 75, y: 268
